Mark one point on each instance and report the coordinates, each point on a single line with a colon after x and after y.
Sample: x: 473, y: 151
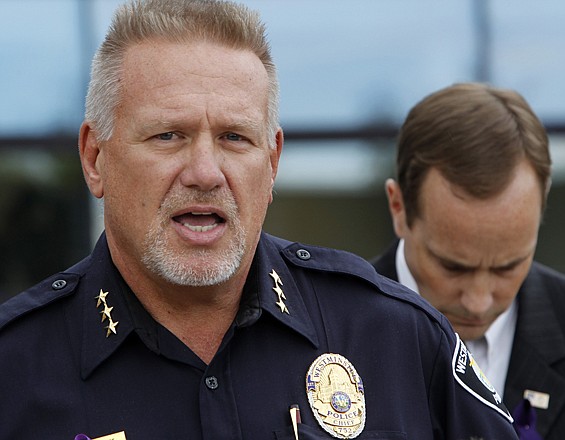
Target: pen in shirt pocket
x: 295, y: 418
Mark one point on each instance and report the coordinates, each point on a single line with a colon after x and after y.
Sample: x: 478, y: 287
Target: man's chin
x: 195, y: 277
x: 194, y: 269
x: 470, y: 334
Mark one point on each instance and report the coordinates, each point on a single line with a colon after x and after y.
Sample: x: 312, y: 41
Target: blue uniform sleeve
x: 463, y: 403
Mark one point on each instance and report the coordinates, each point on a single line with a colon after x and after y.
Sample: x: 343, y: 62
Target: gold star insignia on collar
x: 101, y: 298
x: 280, y: 294
x: 111, y: 327
x: 106, y: 313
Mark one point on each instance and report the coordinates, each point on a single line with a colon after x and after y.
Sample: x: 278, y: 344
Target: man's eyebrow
x: 511, y: 264
x: 245, y: 124
x: 448, y: 262
x: 462, y: 266
x: 158, y: 125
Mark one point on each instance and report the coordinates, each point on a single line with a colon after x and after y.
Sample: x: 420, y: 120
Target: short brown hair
x: 474, y: 135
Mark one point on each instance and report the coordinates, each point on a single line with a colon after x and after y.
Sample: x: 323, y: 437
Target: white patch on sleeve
x: 469, y: 375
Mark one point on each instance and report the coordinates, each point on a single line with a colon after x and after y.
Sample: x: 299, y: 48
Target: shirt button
x: 212, y: 382
x: 59, y: 284
x: 303, y: 254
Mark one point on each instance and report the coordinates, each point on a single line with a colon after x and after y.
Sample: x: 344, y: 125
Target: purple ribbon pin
x: 525, y: 421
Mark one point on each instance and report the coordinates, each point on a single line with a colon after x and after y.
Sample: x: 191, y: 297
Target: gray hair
x: 226, y: 23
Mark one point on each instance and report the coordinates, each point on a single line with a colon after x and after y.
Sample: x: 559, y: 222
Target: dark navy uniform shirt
x: 79, y: 354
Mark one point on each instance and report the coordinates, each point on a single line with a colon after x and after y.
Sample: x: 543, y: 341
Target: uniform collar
x: 275, y: 291
x: 128, y: 315
x: 102, y: 277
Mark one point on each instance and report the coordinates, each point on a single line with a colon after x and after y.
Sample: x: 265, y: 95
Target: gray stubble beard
x: 200, y: 267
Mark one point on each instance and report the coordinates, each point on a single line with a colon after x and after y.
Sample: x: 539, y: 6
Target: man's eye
x: 165, y: 136
x: 506, y: 269
x: 233, y: 137
x: 453, y: 268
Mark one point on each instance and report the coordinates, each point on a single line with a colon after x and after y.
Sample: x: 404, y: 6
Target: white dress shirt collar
x: 404, y: 275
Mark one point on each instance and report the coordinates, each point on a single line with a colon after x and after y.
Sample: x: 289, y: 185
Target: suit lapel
x: 386, y: 262
x: 538, y: 343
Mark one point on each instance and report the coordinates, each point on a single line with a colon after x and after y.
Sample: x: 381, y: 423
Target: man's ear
x: 275, y: 157
x: 396, y: 207
x: 91, y: 159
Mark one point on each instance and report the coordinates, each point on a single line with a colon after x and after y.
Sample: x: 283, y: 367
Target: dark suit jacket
x: 537, y: 361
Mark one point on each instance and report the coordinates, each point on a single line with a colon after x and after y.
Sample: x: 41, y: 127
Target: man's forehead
x: 176, y: 74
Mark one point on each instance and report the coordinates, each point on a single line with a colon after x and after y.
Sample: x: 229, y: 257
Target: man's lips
x: 198, y: 221
x: 469, y: 322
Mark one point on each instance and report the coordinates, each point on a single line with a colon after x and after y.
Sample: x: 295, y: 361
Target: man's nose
x: 203, y: 165
x: 477, y: 296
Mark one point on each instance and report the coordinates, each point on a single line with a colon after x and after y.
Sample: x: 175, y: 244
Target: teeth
x: 200, y: 228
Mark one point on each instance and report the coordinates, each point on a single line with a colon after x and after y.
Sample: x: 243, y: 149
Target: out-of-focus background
x: 349, y: 72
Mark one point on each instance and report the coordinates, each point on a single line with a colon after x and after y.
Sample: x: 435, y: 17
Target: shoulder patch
x: 469, y: 375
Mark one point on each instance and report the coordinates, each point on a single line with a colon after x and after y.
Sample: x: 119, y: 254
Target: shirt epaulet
x: 51, y: 289
x: 347, y: 263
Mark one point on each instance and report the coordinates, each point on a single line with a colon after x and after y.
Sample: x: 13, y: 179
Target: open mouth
x: 199, y: 221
